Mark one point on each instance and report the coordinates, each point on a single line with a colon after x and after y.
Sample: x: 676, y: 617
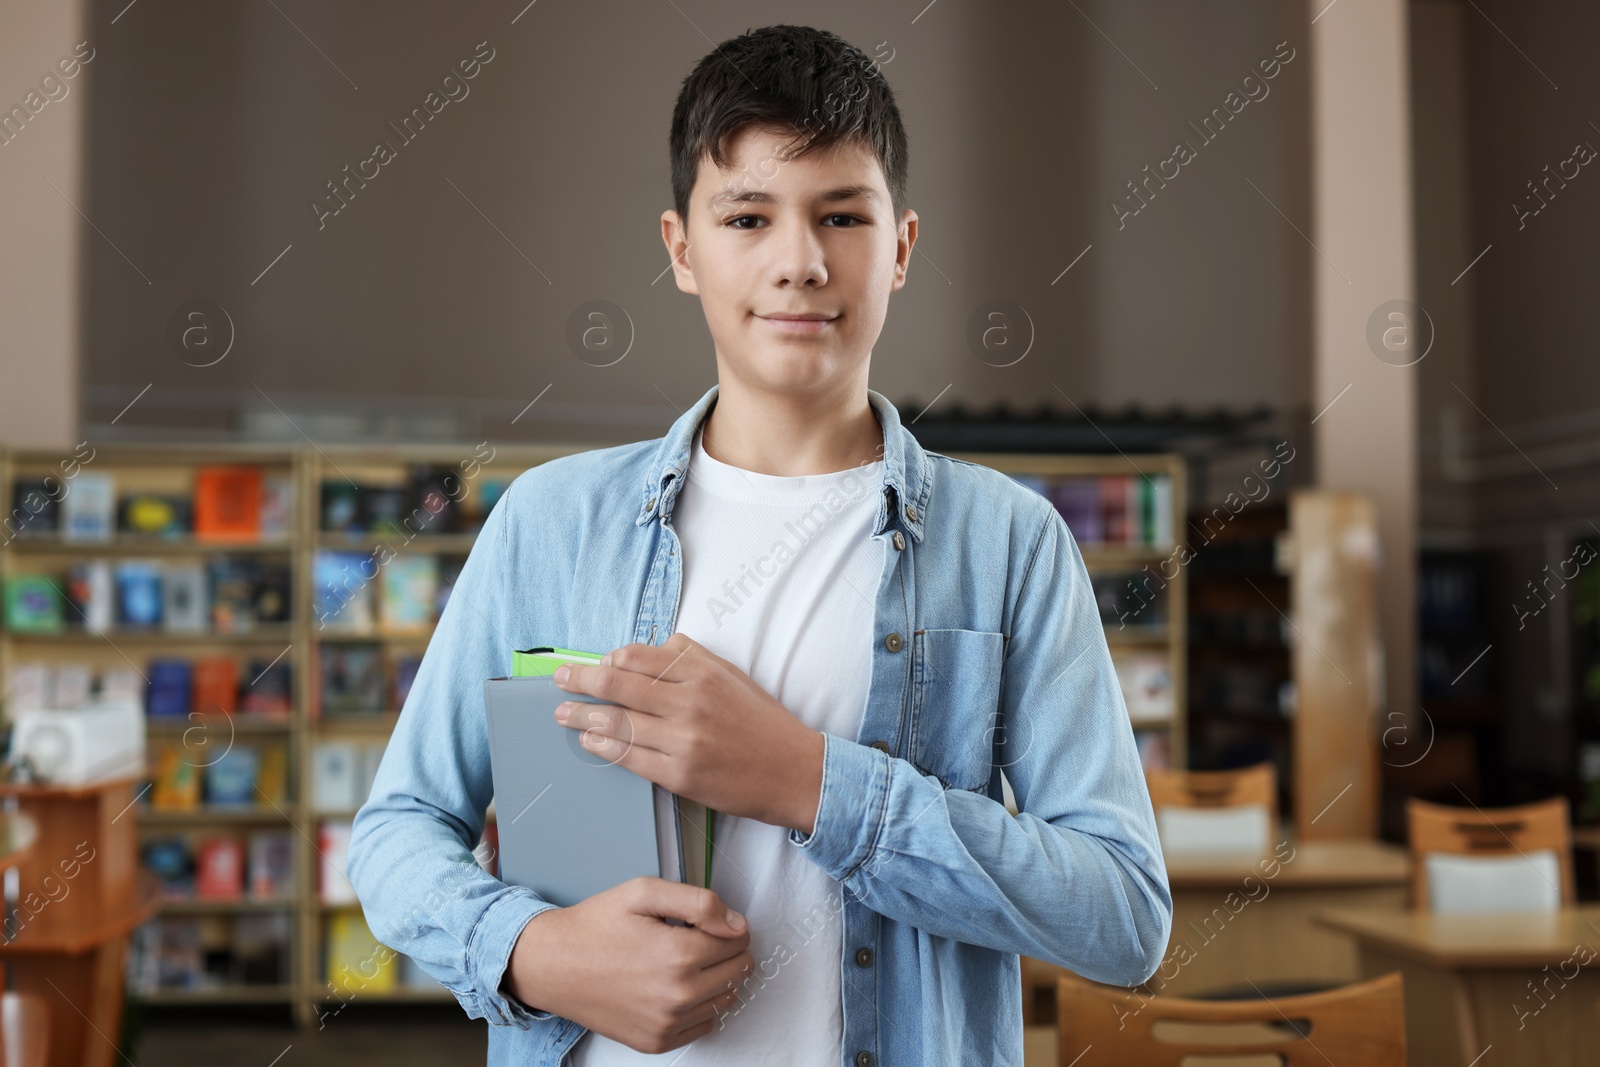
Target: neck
x: 787, y: 435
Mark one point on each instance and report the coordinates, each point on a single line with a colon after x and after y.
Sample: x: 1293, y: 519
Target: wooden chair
x: 1512, y: 834
x: 1356, y: 1024
x: 1221, y: 792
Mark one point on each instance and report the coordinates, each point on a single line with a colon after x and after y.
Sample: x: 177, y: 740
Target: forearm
x: 956, y: 864
x: 424, y: 894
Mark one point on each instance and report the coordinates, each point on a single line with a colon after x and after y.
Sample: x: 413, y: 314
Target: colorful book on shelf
x: 88, y: 510
x: 92, y: 594
x: 277, y: 506
x: 233, y: 592
x: 1146, y: 681
x: 35, y: 507
x: 231, y: 778
x: 270, y: 597
x: 410, y: 589
x: 177, y: 782
x: 333, y: 852
x: 216, y: 684
x: 356, y: 963
x: 227, y: 503
x: 333, y: 776
x: 219, y: 869
x: 342, y: 591
x: 341, y: 507
x: 350, y: 678
x: 154, y: 515
x: 171, y: 861
x: 33, y: 605
x: 271, y: 865
x: 272, y: 778
x: 185, y: 600
x: 1078, y: 502
x: 170, y: 694
x: 384, y: 510
x: 270, y: 690
x: 138, y: 594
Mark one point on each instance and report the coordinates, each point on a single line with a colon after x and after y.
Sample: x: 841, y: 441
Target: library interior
x: 1309, y: 395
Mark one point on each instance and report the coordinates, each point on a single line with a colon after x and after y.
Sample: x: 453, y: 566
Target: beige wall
x: 40, y: 253
x: 409, y: 313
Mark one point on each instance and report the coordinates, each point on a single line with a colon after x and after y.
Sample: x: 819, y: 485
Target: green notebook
x: 697, y: 823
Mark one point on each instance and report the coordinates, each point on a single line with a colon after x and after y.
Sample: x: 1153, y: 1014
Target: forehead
x: 763, y: 169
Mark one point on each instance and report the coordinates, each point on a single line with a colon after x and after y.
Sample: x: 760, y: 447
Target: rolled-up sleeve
x: 411, y: 860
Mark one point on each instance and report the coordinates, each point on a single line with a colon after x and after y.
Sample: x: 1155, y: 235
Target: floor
x: 367, y: 1041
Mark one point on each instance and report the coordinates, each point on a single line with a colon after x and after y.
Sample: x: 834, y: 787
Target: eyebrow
x: 755, y: 196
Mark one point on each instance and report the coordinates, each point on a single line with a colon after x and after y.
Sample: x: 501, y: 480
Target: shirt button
x: 893, y: 642
x: 899, y: 540
x: 881, y: 746
x: 911, y: 512
x: 863, y: 1058
x: 651, y: 506
x: 863, y: 957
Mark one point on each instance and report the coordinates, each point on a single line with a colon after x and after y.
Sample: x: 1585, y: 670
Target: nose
x: 798, y: 257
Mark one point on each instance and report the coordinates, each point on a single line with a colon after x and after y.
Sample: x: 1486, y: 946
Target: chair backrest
x: 1200, y: 812
x: 1355, y: 1024
x: 1488, y: 860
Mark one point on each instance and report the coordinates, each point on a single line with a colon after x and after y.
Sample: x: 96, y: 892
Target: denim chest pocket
x: 955, y: 704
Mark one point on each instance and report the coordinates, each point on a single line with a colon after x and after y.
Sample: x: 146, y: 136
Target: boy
x: 829, y: 635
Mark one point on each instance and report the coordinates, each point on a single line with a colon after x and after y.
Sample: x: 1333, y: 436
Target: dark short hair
x: 796, y: 78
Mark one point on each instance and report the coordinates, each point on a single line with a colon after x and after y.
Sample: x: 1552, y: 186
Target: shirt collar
x: 906, y: 481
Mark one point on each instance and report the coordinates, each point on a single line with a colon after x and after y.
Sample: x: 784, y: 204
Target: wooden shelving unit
x: 170, y: 471
x: 301, y: 643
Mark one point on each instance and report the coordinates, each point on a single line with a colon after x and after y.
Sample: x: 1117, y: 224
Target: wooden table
x: 81, y: 893
x: 1467, y: 981
x: 18, y: 834
x: 1246, y: 918
x: 1252, y: 919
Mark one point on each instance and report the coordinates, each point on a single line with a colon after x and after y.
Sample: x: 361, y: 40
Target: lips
x: 800, y: 323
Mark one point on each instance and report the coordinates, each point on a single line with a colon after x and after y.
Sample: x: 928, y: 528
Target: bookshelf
x: 124, y: 547
x: 348, y: 504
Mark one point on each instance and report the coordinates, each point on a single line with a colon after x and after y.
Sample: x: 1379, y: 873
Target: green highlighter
x: 542, y: 662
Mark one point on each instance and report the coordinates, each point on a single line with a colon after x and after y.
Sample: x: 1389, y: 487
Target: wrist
x: 529, y: 971
x: 807, y: 793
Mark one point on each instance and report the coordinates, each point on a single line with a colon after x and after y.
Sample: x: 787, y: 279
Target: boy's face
x: 772, y: 237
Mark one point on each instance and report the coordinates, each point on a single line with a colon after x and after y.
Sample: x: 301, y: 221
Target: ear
x: 907, y: 240
x: 675, y: 235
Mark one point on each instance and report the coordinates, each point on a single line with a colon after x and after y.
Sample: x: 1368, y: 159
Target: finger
x: 619, y: 683
x: 667, y: 662
x: 613, y: 728
x: 702, y: 908
x: 702, y: 1018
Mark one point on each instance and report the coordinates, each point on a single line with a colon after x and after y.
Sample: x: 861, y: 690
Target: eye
x: 850, y: 218
x: 741, y: 218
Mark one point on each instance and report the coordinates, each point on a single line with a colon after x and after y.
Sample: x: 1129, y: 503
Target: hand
x: 612, y: 965
x: 696, y: 725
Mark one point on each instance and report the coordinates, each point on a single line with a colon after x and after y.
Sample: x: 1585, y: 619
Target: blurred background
x: 1376, y: 259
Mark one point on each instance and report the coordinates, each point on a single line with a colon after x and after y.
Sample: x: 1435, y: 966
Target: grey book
x: 571, y: 822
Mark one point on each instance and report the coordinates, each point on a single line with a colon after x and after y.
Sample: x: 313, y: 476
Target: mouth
x: 802, y: 323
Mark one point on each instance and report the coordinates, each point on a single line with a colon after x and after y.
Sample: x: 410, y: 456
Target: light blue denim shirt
x: 988, y: 653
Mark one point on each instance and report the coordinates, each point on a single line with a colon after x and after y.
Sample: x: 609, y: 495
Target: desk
x: 1246, y: 918
x: 17, y: 836
x: 1252, y: 918
x: 1467, y: 981
x: 81, y: 894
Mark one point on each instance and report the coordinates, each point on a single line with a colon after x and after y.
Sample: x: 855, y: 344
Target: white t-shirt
x: 780, y: 575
